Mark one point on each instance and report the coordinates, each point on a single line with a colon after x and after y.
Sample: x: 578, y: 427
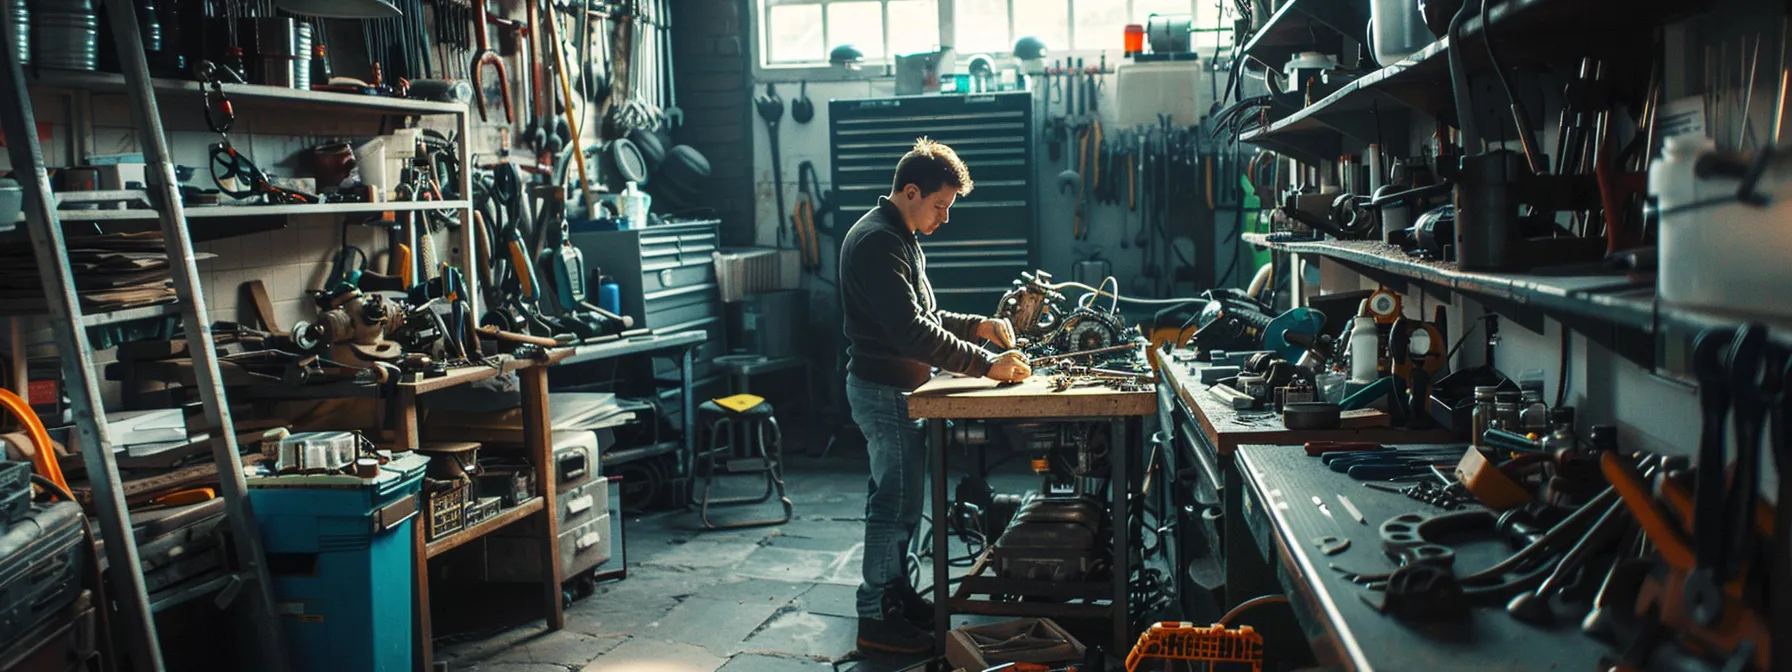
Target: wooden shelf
x: 1526, y: 33
x: 505, y: 517
x: 1610, y: 307
x: 130, y: 314
x: 466, y: 374
x: 243, y: 211
x: 113, y: 83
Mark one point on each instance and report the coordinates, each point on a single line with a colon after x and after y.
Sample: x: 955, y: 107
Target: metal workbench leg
x: 942, y: 554
x: 1119, y: 487
x: 687, y: 457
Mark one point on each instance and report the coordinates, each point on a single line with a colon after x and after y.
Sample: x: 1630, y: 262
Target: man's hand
x: 997, y: 330
x: 1010, y: 367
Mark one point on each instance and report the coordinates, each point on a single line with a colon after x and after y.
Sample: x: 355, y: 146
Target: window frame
x: 877, y: 68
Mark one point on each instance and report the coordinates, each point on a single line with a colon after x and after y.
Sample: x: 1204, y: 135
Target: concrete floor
x: 771, y: 599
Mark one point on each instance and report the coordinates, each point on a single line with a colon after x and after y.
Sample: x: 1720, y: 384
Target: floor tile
x: 642, y: 654
x: 831, y: 599
x: 753, y: 662
x: 784, y: 564
x: 716, y: 625
x: 804, y: 634
x: 565, y: 648
x: 775, y: 593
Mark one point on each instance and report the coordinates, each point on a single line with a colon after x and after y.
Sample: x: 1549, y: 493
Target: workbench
x: 1346, y: 632
x: 953, y: 397
x: 1203, y: 434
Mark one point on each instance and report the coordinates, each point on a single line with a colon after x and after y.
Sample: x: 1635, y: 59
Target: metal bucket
x: 301, y: 68
x: 65, y: 34
x: 20, y: 13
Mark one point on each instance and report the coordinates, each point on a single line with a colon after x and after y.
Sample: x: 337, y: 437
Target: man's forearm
x: 961, y: 325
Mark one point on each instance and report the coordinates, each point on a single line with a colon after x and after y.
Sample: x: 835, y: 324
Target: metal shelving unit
x: 242, y: 211
x: 1289, y: 30
x: 1621, y: 312
x: 1526, y: 33
x: 113, y: 83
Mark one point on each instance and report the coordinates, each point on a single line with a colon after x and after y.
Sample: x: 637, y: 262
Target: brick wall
x: 712, y: 59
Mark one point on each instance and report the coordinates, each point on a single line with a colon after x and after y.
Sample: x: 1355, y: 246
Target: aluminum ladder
x: 135, y: 610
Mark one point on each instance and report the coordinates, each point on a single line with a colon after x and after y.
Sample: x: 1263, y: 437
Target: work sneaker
x: 893, y: 634
x: 914, y: 608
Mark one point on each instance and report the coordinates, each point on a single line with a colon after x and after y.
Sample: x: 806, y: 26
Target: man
x: 897, y: 336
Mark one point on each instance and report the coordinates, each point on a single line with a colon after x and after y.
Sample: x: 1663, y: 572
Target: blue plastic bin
x: 340, y: 551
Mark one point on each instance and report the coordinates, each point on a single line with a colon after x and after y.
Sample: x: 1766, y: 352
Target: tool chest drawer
x: 584, y: 503
x: 662, y: 270
x: 668, y: 309
x: 658, y: 276
x: 971, y: 266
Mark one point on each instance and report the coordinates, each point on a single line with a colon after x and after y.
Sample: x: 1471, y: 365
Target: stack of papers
x: 586, y: 410
x: 146, y: 433
x: 112, y: 272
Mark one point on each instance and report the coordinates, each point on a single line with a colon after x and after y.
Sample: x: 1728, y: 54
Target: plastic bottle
x: 635, y: 206
x: 609, y: 294
x: 1365, y: 346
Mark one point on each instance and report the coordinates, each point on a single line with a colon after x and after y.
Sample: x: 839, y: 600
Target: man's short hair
x: 930, y: 166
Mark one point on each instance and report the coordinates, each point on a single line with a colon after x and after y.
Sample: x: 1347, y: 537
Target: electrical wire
x: 1118, y: 297
x: 1250, y: 604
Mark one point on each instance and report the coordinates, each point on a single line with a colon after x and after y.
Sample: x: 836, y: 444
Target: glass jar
x: 1482, y: 416
x: 1506, y: 405
x: 1533, y: 416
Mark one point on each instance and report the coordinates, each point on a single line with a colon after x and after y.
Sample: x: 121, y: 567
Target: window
x: 802, y: 32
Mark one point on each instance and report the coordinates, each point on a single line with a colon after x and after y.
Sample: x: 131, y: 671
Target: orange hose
x: 44, y: 457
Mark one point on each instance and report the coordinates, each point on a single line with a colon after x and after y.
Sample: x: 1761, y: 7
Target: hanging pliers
x: 482, y: 26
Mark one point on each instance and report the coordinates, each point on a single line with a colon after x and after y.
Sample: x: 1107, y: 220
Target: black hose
x: 1459, y: 85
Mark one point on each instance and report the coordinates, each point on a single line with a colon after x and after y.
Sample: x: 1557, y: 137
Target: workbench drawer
x: 582, y: 504
x: 517, y: 559
x: 1207, y: 487
x: 669, y: 307
x: 586, y: 546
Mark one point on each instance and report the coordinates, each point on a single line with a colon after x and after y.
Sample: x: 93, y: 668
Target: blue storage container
x: 340, y: 551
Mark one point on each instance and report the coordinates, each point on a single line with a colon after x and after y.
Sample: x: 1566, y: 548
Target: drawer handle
x: 586, y: 541
x: 666, y: 277
x: 578, y: 505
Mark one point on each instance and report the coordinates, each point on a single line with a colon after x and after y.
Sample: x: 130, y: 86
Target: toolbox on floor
x: 15, y: 491
x: 340, y: 550
x: 1025, y: 640
x: 40, y: 566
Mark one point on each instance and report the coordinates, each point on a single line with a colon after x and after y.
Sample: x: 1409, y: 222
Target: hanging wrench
x: 486, y: 56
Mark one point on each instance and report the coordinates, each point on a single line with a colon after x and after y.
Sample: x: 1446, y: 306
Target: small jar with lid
x: 1533, y: 414
x: 1481, y: 418
x: 1506, y: 404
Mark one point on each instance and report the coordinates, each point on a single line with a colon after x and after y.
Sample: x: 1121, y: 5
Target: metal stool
x: 752, y: 417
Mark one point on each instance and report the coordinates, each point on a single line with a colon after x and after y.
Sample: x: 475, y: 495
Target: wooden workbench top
x: 951, y: 396
x: 1227, y: 428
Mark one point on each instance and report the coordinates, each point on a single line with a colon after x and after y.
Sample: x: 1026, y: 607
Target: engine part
x: 353, y: 328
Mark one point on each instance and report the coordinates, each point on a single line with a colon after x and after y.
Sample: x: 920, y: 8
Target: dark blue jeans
x: 897, y: 486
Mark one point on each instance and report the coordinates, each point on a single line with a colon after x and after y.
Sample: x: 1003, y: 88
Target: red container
x: 1135, y: 39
